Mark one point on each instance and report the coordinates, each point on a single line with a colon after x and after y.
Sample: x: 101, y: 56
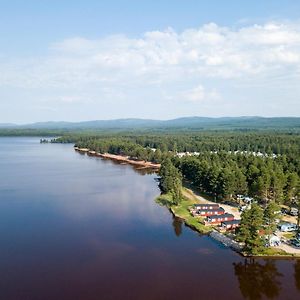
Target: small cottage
x: 210, y: 212
x: 228, y: 225
x: 211, y: 220
x: 197, y: 207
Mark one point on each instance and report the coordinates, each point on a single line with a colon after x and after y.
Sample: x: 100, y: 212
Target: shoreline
x: 120, y: 158
x: 182, y: 212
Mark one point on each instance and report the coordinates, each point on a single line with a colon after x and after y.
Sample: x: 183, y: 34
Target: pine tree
x: 249, y: 232
x: 270, y: 216
x: 290, y: 188
x: 170, y: 180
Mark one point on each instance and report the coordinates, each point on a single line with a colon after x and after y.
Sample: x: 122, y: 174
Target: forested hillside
x: 186, y: 123
x: 223, y: 164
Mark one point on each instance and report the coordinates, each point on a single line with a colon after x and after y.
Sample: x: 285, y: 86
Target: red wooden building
x: 210, y: 212
x: 218, y: 219
x: 197, y: 207
x: 228, y: 225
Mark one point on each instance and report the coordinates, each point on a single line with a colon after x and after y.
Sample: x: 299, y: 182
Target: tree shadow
x: 177, y: 225
x: 297, y: 274
x: 258, y: 279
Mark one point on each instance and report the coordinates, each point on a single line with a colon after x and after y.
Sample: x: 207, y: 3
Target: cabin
x: 197, y: 207
x: 229, y: 225
x: 206, y: 206
x: 210, y: 212
x: 211, y: 220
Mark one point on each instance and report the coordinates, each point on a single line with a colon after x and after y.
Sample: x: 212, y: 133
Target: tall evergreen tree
x: 170, y: 180
x: 270, y: 216
x: 249, y: 232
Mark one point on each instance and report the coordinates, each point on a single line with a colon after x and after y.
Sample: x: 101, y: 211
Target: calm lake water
x: 78, y: 227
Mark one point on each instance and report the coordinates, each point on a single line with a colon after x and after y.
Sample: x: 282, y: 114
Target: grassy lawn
x: 182, y: 211
x: 273, y: 252
x: 289, y: 235
x: 164, y: 200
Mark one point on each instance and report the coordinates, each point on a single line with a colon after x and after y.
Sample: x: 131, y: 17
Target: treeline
x: 266, y: 142
x: 124, y: 147
x: 218, y: 170
x: 225, y: 176
x: 31, y: 132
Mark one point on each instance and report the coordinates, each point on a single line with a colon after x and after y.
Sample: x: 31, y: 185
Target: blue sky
x: 83, y: 60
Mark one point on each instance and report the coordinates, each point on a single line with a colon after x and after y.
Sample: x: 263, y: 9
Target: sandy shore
x: 142, y: 164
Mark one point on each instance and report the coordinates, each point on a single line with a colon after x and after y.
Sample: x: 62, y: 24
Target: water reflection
x: 140, y: 170
x: 93, y: 224
x: 297, y: 274
x: 177, y: 225
x: 258, y: 279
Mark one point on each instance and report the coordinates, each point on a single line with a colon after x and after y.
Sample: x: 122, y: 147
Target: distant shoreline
x: 120, y: 158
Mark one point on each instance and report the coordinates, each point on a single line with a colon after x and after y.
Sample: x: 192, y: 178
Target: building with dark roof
x: 227, y: 225
x: 209, y: 212
x: 199, y: 206
x: 218, y: 219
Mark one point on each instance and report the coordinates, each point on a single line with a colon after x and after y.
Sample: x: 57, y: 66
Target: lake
x: 80, y: 227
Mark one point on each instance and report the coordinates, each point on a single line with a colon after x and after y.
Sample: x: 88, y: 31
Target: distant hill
x: 7, y: 125
x: 179, y: 123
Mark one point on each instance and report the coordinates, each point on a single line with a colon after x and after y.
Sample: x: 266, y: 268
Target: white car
x: 286, y: 227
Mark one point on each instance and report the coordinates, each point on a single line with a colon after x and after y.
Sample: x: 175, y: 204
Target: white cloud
x: 199, y: 95
x: 209, y: 51
x: 209, y: 56
x: 70, y: 99
x: 196, y: 94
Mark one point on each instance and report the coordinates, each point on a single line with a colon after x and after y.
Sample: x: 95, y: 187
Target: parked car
x: 244, y: 207
x: 286, y: 227
x: 295, y: 243
x: 294, y: 211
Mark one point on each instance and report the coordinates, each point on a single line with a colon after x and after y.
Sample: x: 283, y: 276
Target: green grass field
x: 182, y: 211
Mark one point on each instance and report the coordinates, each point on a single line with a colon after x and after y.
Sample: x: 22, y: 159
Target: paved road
x: 289, y: 249
x: 286, y: 247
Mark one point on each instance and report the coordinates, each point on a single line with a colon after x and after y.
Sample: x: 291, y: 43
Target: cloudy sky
x: 85, y: 60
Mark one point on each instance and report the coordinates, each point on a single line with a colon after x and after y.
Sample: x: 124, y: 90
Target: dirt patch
x: 289, y: 249
x: 229, y: 209
x: 289, y: 219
